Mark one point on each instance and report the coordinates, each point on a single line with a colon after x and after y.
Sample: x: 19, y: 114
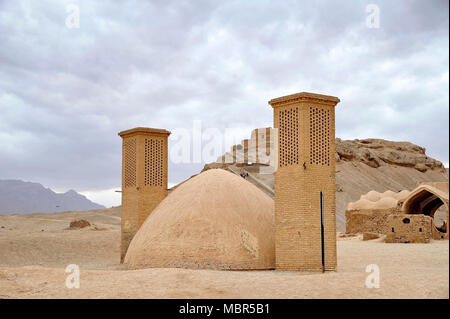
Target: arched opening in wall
x: 440, y: 219
x: 430, y: 204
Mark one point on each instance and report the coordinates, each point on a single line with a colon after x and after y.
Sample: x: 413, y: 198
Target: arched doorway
x: 432, y: 202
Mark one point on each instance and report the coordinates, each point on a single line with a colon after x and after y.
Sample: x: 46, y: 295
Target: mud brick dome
x: 216, y: 220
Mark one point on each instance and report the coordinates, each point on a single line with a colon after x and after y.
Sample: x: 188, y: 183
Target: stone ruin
x: 405, y: 217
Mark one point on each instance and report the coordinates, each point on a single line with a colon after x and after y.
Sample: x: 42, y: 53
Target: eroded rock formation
x: 378, y: 152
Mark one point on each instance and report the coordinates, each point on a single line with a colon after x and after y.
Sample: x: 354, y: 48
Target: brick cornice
x: 304, y: 97
x: 144, y: 130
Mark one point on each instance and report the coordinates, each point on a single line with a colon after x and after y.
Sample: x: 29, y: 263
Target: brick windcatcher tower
x: 305, y: 189
x: 144, y: 178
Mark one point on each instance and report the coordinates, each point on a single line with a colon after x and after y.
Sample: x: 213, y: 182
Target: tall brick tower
x: 144, y: 178
x: 305, y: 199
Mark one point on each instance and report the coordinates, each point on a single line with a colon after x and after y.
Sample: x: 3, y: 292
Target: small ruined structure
x: 428, y: 199
x: 370, y: 212
x: 215, y: 220
x: 144, y: 178
x: 404, y: 217
x: 305, y: 189
x: 405, y: 228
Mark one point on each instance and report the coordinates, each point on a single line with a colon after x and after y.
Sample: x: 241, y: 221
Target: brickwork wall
x: 367, y: 220
x: 407, y: 228
x: 306, y: 132
x: 144, y: 178
x: 422, y: 200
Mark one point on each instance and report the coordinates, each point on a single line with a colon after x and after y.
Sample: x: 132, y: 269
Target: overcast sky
x: 66, y: 92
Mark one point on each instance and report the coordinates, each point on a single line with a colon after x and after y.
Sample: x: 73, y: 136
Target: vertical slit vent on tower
x: 288, y: 137
x: 129, y: 155
x: 319, y: 132
x: 322, y: 231
x: 153, y: 162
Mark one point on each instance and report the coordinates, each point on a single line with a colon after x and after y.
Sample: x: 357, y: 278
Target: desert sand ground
x: 35, y: 250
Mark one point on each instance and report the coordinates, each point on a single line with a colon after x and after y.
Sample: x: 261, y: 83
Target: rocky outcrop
x: 372, y: 152
x: 378, y: 152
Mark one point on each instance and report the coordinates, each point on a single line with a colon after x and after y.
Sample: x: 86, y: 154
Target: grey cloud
x: 65, y: 93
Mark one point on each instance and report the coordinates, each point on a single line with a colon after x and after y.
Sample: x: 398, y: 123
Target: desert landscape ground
x: 35, y: 250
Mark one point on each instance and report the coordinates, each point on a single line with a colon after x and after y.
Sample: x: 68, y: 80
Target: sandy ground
x: 35, y: 249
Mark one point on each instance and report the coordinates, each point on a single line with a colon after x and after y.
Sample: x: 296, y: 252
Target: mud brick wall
x: 407, y: 228
x: 306, y: 168
x: 144, y: 178
x: 367, y: 220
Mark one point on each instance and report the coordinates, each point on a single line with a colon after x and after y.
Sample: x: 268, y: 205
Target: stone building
x: 144, y: 178
x: 370, y: 213
x: 305, y: 190
x: 409, y: 217
x: 406, y: 228
x: 430, y: 199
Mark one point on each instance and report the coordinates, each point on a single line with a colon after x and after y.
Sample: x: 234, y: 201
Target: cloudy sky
x: 66, y: 91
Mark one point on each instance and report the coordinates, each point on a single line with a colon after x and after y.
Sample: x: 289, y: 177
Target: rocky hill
x: 375, y: 164
x: 361, y: 166
x: 378, y: 152
x: 21, y: 197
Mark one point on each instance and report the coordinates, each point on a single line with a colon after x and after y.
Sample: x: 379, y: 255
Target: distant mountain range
x: 21, y: 197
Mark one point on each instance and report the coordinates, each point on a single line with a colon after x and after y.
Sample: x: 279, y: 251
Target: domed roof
x: 376, y: 200
x: 216, y: 220
x: 372, y: 196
